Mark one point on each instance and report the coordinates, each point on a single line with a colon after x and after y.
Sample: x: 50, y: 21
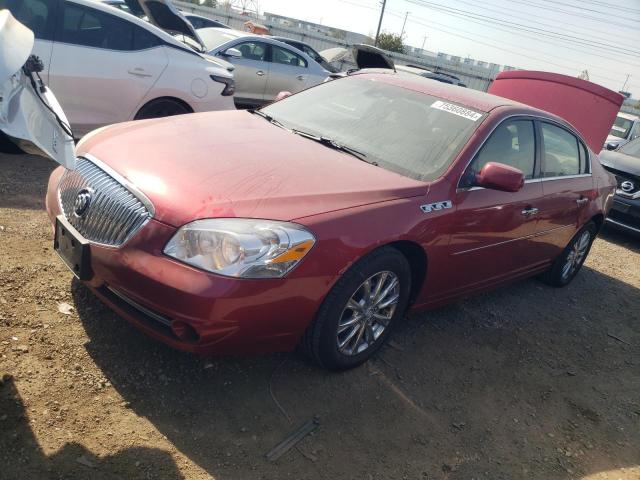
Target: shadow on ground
x: 73, y: 461
x: 523, y: 382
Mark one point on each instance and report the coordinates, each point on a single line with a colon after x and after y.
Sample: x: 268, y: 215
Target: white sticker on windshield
x: 619, y: 129
x: 457, y: 110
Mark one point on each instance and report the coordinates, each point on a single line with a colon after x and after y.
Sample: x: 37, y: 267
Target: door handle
x: 300, y: 77
x: 582, y: 201
x: 139, y: 72
x: 530, y: 211
x: 260, y: 73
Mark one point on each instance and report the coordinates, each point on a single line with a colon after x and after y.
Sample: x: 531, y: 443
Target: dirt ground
x: 524, y: 382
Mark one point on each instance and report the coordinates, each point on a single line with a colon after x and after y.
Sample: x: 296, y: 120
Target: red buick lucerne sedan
x: 320, y: 219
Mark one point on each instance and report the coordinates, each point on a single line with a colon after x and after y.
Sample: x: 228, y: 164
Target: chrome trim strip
x: 622, y: 225
x: 123, y: 181
x: 137, y: 306
x: 537, y: 234
x: 524, y: 117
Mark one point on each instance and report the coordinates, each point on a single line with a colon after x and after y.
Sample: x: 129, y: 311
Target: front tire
x: 360, y: 311
x: 570, y: 261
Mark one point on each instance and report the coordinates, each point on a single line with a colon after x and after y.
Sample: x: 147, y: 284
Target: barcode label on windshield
x: 457, y: 110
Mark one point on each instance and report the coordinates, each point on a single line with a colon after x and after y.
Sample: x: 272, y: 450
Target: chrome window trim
x: 528, y: 116
x: 123, y: 181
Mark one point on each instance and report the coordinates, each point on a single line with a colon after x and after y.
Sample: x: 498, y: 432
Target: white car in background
x: 264, y: 67
x: 108, y: 66
x: 626, y: 127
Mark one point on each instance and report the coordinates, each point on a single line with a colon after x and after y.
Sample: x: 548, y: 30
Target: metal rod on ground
x: 291, y: 441
x: 384, y: 4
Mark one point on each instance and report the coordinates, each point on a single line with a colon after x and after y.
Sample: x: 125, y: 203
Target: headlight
x: 241, y: 247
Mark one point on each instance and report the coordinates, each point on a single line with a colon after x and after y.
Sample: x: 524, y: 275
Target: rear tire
x: 358, y: 316
x: 570, y: 261
x: 162, y: 107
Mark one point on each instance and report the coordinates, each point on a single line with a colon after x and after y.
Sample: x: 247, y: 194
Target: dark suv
x: 624, y: 163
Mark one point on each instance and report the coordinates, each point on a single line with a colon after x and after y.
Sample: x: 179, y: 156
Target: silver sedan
x: 263, y: 66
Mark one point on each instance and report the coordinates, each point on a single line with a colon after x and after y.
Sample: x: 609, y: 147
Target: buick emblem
x: 82, y: 202
x: 627, y: 186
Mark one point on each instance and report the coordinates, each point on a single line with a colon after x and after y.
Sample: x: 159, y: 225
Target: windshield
x: 621, y: 127
x: 401, y: 130
x: 632, y: 148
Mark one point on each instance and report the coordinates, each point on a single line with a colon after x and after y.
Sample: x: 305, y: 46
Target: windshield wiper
x: 266, y: 116
x: 328, y: 142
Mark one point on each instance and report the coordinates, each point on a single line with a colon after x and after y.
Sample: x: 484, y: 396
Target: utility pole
x: 404, y: 23
x: 424, y: 40
x: 625, y: 82
x: 384, y: 4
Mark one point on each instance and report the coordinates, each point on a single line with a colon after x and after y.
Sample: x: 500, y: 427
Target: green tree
x: 390, y: 42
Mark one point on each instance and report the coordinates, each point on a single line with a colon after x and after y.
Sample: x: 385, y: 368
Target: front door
x: 251, y: 72
x: 492, y: 231
x: 102, y: 66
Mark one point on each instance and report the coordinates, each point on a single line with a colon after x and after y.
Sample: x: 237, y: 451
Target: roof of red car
x: 468, y: 97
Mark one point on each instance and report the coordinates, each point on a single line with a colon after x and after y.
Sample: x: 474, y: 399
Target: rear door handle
x: 529, y: 212
x: 139, y: 72
x: 582, y: 201
x: 260, y: 73
x: 300, y: 77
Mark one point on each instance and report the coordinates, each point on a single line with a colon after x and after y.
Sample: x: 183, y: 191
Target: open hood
x: 590, y: 108
x: 364, y: 56
x: 163, y: 14
x: 30, y: 115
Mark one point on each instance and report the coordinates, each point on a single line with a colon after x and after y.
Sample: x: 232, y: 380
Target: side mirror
x: 282, y: 95
x: 498, y: 176
x: 611, y: 146
x: 232, y: 52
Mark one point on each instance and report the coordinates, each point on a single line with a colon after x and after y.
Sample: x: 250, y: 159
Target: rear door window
x: 92, y: 28
x: 37, y: 15
x: 561, y: 152
x: 286, y: 57
x: 513, y: 143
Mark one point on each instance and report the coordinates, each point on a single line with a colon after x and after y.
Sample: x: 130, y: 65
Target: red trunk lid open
x: 590, y: 108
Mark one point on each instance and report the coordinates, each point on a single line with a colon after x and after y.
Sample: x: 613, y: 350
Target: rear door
x: 289, y: 72
x: 102, y: 66
x: 251, y: 72
x: 39, y: 16
x: 567, y: 185
x: 493, y: 231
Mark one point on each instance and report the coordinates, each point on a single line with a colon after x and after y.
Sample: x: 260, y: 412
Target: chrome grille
x: 114, y: 213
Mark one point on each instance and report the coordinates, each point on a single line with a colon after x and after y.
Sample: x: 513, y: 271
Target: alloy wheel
x: 368, y: 313
x: 576, y: 255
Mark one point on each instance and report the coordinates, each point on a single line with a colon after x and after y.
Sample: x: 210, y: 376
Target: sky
x: 563, y: 36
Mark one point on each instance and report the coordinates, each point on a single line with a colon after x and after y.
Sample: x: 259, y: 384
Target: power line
x: 510, y: 12
x: 541, y: 39
x: 610, y: 5
x: 415, y: 20
x: 518, y: 26
x: 546, y: 8
x: 582, y: 7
